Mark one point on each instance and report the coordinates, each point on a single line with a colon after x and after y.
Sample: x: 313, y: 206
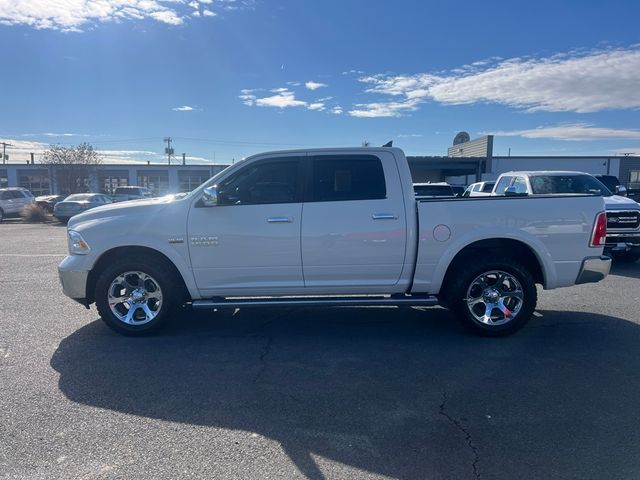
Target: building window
x: 4, y: 179
x: 155, y: 180
x: 36, y: 181
x: 190, y: 180
x: 634, y: 179
x: 108, y: 181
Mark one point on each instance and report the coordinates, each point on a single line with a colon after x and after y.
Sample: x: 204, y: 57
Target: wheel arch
x: 138, y: 251
x: 508, y: 247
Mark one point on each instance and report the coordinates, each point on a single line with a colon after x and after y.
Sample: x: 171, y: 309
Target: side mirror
x: 621, y: 190
x: 512, y: 191
x: 210, y: 197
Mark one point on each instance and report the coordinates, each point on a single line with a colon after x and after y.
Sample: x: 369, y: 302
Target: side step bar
x: 327, y: 301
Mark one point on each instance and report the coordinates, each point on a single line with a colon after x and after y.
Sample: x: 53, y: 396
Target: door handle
x: 279, y: 219
x: 384, y: 216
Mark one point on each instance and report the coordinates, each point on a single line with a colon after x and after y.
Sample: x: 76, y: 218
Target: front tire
x: 494, y: 296
x: 137, y: 296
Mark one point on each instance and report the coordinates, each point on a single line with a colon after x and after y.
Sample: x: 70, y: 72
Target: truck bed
x: 556, y: 229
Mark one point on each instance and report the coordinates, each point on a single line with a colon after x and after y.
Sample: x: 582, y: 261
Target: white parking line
x: 33, y: 254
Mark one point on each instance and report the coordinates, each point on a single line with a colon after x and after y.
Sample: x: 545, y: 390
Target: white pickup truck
x: 330, y: 227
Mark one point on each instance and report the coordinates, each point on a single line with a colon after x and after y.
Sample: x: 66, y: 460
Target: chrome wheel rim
x: 494, y: 298
x: 135, y: 298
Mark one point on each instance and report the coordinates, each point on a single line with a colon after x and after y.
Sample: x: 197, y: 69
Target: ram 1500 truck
x: 330, y: 227
x: 623, y: 214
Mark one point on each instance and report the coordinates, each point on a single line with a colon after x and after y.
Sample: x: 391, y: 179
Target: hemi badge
x: 176, y: 240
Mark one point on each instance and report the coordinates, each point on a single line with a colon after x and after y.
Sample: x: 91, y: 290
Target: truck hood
x: 146, y: 207
x: 616, y: 202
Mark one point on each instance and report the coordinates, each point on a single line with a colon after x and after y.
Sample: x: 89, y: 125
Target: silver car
x: 13, y: 200
x: 78, y: 203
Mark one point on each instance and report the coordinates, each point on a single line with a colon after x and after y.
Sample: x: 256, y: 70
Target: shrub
x: 33, y: 214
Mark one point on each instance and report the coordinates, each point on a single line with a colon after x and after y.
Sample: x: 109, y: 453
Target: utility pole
x: 4, y: 151
x: 184, y: 162
x: 168, y: 150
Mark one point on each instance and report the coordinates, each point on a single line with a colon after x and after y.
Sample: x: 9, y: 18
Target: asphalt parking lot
x: 313, y: 393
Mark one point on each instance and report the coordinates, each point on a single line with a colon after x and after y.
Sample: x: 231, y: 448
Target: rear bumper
x: 593, y: 269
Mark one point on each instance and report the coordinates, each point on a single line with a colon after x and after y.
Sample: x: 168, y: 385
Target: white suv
x: 13, y: 200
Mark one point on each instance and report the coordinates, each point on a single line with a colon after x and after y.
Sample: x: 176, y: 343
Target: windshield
x: 78, y: 198
x: 609, y: 181
x: 126, y: 191
x: 567, y: 184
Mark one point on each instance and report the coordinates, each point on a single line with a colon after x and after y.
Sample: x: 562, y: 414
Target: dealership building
x: 105, y: 178
x: 467, y: 161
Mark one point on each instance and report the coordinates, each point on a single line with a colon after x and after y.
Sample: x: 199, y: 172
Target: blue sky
x: 228, y: 78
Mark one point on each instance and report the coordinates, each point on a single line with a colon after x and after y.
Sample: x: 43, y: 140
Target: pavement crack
x: 468, y: 439
x: 263, y: 358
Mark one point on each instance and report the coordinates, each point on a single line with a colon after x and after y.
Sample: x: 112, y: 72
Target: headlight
x: 77, y: 245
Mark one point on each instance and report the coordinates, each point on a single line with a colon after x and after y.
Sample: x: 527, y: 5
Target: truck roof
x: 544, y: 172
x: 330, y: 150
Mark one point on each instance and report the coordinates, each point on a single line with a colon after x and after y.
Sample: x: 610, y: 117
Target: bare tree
x: 72, y: 166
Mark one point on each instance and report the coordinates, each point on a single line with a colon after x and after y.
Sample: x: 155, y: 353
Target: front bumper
x: 73, y: 278
x: 594, y: 269
x: 622, y: 242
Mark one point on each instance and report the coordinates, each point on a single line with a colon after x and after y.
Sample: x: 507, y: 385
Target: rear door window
x: 356, y: 177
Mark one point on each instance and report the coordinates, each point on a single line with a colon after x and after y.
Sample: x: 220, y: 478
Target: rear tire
x: 1, y: 215
x: 147, y: 286
x: 492, y: 296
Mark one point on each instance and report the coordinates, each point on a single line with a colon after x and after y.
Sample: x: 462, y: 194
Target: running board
x: 350, y: 301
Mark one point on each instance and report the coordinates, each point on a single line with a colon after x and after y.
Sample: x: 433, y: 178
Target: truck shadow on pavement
x: 392, y: 391
x: 631, y: 270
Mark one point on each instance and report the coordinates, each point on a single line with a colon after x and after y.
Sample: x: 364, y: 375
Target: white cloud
x: 573, y: 82
x: 76, y: 15
x: 337, y: 110
x: 284, y: 98
x: 185, y: 108
x: 167, y: 16
x: 383, y: 109
x: 71, y: 15
x: 574, y: 132
x: 311, y: 85
x: 410, y: 135
x: 316, y: 106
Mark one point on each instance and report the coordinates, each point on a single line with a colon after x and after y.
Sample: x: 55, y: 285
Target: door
x: 354, y: 225
x: 249, y: 244
x: 12, y: 201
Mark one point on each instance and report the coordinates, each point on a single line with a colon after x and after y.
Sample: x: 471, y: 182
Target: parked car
x: 13, y: 200
x: 479, y: 189
x: 123, y: 194
x: 623, y: 214
x: 613, y: 184
x: 78, y: 203
x: 329, y: 227
x: 47, y: 202
x: 433, y: 190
